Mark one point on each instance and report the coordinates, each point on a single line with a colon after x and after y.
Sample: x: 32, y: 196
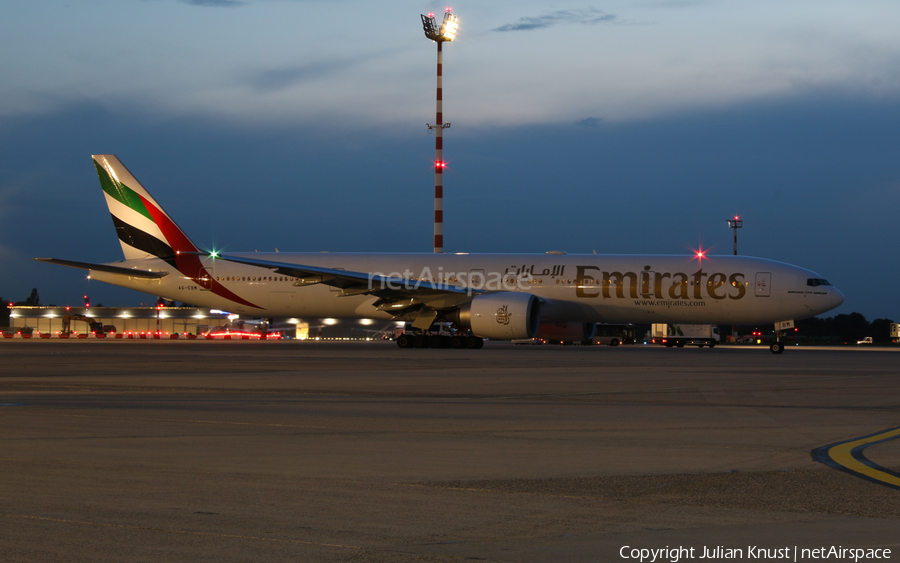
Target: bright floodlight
x: 447, y: 31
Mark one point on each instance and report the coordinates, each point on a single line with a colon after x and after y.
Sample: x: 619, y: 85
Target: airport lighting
x: 735, y: 224
x: 445, y: 32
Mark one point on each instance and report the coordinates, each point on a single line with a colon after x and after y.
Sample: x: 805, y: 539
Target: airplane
x: 484, y: 296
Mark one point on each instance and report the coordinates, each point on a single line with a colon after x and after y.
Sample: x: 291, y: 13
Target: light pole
x: 735, y: 224
x: 446, y: 32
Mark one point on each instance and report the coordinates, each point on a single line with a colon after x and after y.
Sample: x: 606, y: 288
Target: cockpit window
x: 816, y: 282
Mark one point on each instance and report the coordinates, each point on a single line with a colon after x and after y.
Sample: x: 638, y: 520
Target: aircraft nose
x: 836, y: 298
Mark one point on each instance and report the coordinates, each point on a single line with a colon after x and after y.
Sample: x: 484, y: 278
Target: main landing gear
x: 458, y: 341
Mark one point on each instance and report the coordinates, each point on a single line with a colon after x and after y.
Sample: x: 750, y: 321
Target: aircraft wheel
x: 404, y: 341
x: 458, y: 342
x: 474, y: 343
x: 777, y: 347
x: 439, y: 341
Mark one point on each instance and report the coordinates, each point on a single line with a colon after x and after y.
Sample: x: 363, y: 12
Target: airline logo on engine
x: 503, y: 315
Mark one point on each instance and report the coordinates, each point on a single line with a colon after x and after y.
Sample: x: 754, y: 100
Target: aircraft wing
x: 135, y: 273
x: 420, y: 300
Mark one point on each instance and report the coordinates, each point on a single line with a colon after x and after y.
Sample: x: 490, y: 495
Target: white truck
x: 895, y: 333
x: 678, y: 335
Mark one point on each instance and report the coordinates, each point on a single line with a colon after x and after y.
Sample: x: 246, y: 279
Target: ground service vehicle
x: 681, y: 334
x: 95, y: 325
x: 613, y: 335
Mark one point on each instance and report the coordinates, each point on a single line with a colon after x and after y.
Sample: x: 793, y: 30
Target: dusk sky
x: 616, y: 127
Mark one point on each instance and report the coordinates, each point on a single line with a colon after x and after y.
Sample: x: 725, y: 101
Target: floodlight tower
x: 735, y: 224
x: 446, y: 32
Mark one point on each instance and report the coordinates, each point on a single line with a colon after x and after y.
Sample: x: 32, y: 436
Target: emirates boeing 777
x: 494, y: 296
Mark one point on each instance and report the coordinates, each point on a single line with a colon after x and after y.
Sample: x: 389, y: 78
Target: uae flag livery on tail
x: 145, y: 230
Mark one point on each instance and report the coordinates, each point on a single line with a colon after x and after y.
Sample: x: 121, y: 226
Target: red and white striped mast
x: 446, y: 32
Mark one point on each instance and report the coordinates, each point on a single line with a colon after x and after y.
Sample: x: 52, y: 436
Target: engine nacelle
x: 556, y: 333
x: 507, y: 315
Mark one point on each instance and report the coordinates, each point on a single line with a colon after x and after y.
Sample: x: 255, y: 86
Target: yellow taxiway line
x: 848, y: 456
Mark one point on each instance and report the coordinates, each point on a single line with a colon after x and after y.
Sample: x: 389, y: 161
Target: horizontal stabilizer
x: 134, y: 273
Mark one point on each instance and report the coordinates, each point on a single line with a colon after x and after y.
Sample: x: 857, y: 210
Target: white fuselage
x: 575, y: 288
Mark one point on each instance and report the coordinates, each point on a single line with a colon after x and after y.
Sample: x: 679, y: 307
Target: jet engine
x: 566, y: 333
x: 501, y: 316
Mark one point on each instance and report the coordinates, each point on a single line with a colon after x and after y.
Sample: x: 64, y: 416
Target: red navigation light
x: 430, y: 14
x: 448, y: 9
x: 440, y: 164
x: 700, y: 253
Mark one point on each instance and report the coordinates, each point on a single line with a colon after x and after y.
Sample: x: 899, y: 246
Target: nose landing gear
x: 777, y: 347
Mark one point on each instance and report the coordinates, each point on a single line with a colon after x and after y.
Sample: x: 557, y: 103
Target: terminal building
x: 49, y: 322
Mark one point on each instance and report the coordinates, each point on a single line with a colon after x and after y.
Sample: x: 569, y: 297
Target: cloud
x: 589, y: 122
x: 278, y: 79
x: 215, y: 3
x: 586, y: 16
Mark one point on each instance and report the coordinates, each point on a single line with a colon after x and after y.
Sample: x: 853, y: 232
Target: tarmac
x: 303, y: 451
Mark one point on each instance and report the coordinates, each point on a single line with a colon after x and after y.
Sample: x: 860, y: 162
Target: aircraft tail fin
x: 144, y: 229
